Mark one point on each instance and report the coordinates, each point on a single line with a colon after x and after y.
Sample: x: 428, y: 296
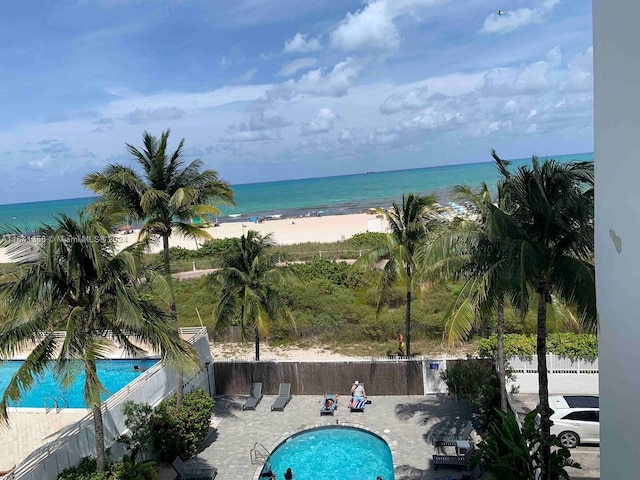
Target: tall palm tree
x: 166, y: 195
x: 547, y: 220
x: 77, y: 284
x: 465, y: 251
x: 410, y: 224
x: 248, y: 285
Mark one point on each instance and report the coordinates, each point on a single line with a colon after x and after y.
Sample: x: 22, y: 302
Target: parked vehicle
x: 575, y: 419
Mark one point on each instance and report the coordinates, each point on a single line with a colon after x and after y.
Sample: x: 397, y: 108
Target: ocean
x: 293, y: 198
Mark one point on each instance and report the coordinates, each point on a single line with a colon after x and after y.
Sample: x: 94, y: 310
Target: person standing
x: 400, y: 344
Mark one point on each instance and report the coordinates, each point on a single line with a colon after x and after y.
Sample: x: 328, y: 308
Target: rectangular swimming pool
x: 114, y: 374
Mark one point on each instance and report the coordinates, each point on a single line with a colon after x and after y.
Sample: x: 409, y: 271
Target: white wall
x: 559, y: 383
x: 617, y: 162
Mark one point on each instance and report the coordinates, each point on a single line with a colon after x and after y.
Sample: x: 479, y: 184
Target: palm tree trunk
x: 91, y: 372
x: 407, y: 324
x: 501, y: 361
x: 174, y: 310
x: 257, y: 341
x: 543, y: 383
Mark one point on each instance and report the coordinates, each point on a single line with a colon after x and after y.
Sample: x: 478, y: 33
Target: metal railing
x: 258, y: 454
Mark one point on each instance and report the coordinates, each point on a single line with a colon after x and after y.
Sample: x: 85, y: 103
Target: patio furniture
x: 255, y: 395
x: 284, y: 395
x: 331, y: 410
x: 455, y: 461
x: 450, y: 439
x: 193, y: 473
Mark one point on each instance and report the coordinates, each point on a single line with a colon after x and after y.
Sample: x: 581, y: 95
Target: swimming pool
x: 346, y: 453
x: 114, y: 374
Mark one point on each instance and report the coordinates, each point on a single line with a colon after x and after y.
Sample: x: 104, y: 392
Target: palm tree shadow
x: 439, y: 413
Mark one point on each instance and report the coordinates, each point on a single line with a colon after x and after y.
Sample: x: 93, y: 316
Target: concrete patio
x: 405, y: 422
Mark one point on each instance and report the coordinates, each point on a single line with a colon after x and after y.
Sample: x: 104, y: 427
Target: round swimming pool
x: 332, y: 452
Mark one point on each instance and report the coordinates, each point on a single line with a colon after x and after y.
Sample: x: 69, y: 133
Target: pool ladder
x: 58, y: 403
x: 259, y: 454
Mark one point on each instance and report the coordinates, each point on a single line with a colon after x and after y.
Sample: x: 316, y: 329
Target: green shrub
x: 571, y: 345
x: 136, y: 420
x: 86, y: 470
x: 179, y: 431
x: 368, y: 240
x: 477, y: 381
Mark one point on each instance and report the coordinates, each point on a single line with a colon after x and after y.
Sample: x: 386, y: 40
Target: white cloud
x: 302, y: 43
x: 247, y: 76
x: 370, y: 28
x: 322, y: 123
x: 234, y: 134
x: 580, y: 72
x: 40, y: 163
x: 415, y: 99
x: 513, y: 19
x: 321, y: 82
x: 259, y: 121
x: 294, y: 66
x: 161, y: 114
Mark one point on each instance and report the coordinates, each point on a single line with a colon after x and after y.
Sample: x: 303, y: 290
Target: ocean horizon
x: 333, y: 195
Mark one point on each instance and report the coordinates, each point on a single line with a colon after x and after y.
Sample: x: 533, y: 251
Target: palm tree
x: 165, y: 197
x: 248, y: 284
x: 411, y: 224
x: 547, y: 221
x: 465, y: 251
x: 76, y: 284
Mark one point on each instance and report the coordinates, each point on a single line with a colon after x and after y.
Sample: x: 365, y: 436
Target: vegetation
x: 570, y: 345
x: 545, y: 219
x: 178, y: 430
x: 248, y: 287
x: 410, y: 223
x: 76, y: 284
x: 166, y: 197
x: 476, y: 380
x: 511, y: 453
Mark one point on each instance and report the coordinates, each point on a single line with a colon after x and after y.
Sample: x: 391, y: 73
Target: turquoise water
x: 292, y: 198
x: 332, y: 452
x: 114, y: 374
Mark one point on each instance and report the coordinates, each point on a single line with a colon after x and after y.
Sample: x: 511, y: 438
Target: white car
x: 575, y: 419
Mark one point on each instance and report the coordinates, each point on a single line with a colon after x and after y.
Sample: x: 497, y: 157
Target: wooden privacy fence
x: 386, y: 377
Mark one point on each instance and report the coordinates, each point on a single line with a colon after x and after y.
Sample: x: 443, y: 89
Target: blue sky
x: 277, y: 89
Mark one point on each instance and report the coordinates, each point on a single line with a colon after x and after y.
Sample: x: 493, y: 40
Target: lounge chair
x: 331, y: 410
x: 456, y: 461
x: 193, y: 473
x: 450, y: 439
x: 358, y: 406
x: 284, y: 395
x: 255, y: 395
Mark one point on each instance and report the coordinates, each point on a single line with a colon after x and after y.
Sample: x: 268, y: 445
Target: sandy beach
x: 287, y: 231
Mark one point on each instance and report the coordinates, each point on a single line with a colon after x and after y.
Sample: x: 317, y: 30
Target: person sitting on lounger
x: 329, y: 401
x: 358, y: 393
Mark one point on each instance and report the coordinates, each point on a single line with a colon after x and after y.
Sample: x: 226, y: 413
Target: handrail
x: 257, y: 456
x: 64, y: 401
x: 55, y: 403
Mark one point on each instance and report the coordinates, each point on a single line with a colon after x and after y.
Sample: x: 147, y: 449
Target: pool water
x: 332, y: 452
x: 114, y: 374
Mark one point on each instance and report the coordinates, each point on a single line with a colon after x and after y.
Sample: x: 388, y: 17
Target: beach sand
x: 289, y: 231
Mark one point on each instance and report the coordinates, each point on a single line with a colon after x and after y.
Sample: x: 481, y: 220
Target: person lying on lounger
x: 357, y: 393
x: 329, y: 401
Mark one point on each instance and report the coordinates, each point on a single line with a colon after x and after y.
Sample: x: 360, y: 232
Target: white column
x: 617, y: 163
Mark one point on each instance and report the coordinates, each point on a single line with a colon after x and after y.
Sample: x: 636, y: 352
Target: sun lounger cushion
x: 332, y: 409
x: 359, y: 405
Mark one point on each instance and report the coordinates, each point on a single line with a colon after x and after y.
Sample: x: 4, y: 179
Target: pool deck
x: 405, y: 422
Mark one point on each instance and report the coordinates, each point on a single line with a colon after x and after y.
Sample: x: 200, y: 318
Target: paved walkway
x: 404, y: 421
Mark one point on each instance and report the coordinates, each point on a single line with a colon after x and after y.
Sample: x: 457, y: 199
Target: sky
x: 265, y: 90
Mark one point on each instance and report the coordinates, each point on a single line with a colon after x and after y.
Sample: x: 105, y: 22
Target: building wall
x: 617, y: 221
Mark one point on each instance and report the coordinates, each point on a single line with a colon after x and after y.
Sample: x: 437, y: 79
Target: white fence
x: 555, y: 364
x: 78, y: 440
